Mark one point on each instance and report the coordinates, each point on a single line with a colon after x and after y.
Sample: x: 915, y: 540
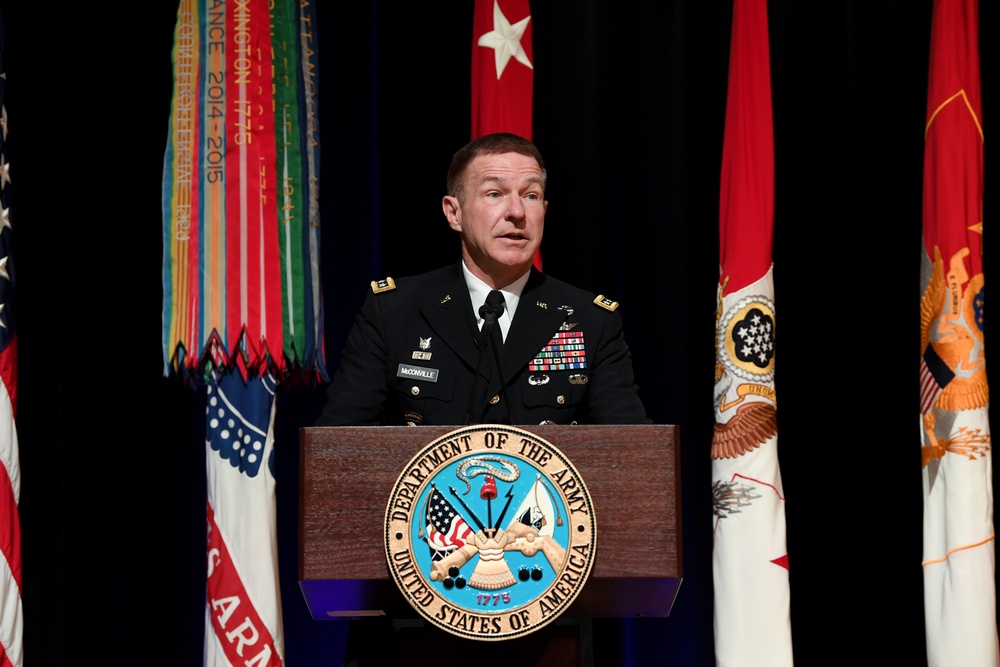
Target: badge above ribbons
x: 490, y: 532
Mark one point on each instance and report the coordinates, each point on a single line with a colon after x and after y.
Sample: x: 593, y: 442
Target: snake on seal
x: 509, y: 474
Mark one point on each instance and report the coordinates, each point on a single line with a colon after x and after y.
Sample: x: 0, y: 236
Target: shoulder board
x: 387, y: 284
x: 606, y: 303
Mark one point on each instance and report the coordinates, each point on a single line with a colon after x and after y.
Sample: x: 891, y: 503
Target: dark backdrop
x: 629, y: 108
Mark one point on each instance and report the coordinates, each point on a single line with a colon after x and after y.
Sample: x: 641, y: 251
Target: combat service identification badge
x: 490, y: 532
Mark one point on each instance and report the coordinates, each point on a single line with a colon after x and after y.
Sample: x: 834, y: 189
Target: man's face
x: 500, y: 216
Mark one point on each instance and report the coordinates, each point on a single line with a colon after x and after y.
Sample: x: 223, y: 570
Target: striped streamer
x: 240, y: 183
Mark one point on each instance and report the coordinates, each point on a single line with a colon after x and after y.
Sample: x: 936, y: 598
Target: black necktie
x: 492, y: 337
x: 492, y: 309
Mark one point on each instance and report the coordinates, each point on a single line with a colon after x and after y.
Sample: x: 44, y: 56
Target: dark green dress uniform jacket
x: 412, y: 355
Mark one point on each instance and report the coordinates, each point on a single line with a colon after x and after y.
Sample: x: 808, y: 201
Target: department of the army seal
x: 490, y: 532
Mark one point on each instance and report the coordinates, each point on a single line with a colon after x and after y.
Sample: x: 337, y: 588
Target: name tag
x: 417, y: 373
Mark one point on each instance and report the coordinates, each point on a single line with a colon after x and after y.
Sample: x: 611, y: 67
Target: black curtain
x: 629, y: 108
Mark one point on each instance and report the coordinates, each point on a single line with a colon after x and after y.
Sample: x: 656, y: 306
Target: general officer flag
x: 503, y: 73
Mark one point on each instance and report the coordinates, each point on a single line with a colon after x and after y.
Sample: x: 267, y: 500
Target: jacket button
x: 561, y: 400
x: 415, y: 390
x: 495, y: 399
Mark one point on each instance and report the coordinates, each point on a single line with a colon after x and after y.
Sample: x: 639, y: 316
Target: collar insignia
x: 606, y: 303
x: 387, y: 284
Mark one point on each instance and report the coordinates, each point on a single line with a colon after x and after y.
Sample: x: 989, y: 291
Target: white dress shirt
x: 478, y: 290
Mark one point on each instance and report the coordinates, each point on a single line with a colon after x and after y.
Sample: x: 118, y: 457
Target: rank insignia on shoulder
x: 606, y: 303
x: 387, y: 284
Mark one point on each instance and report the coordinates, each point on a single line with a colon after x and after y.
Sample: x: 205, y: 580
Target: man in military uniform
x: 418, y: 353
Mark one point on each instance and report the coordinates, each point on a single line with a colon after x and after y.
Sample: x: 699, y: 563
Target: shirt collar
x: 511, y: 294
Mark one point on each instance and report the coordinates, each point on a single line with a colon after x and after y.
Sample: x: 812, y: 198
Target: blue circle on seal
x: 490, y: 532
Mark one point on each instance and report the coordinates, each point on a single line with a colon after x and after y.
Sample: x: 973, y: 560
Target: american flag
x: 11, y: 615
x: 446, y: 529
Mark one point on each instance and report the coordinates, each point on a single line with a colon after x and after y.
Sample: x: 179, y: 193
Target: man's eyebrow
x: 492, y: 178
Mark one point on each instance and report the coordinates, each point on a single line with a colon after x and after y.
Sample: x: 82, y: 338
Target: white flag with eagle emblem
x: 749, y: 556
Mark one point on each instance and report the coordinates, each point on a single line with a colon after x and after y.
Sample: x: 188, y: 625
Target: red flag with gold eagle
x: 959, y: 553
x: 750, y: 561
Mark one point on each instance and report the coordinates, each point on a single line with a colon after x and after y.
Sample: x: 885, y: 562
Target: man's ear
x: 452, y: 211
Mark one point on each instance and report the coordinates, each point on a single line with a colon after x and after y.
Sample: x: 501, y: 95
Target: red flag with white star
x: 503, y: 72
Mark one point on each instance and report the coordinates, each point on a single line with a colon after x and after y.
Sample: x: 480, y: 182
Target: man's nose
x: 515, y: 208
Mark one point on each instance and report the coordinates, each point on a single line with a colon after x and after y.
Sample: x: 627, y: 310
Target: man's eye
x: 532, y: 196
x: 494, y: 195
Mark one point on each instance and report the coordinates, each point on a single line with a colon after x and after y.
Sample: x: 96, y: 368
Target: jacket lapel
x: 535, y: 322
x: 450, y: 317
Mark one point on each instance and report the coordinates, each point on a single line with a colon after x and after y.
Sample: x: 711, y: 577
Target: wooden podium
x: 631, y: 473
